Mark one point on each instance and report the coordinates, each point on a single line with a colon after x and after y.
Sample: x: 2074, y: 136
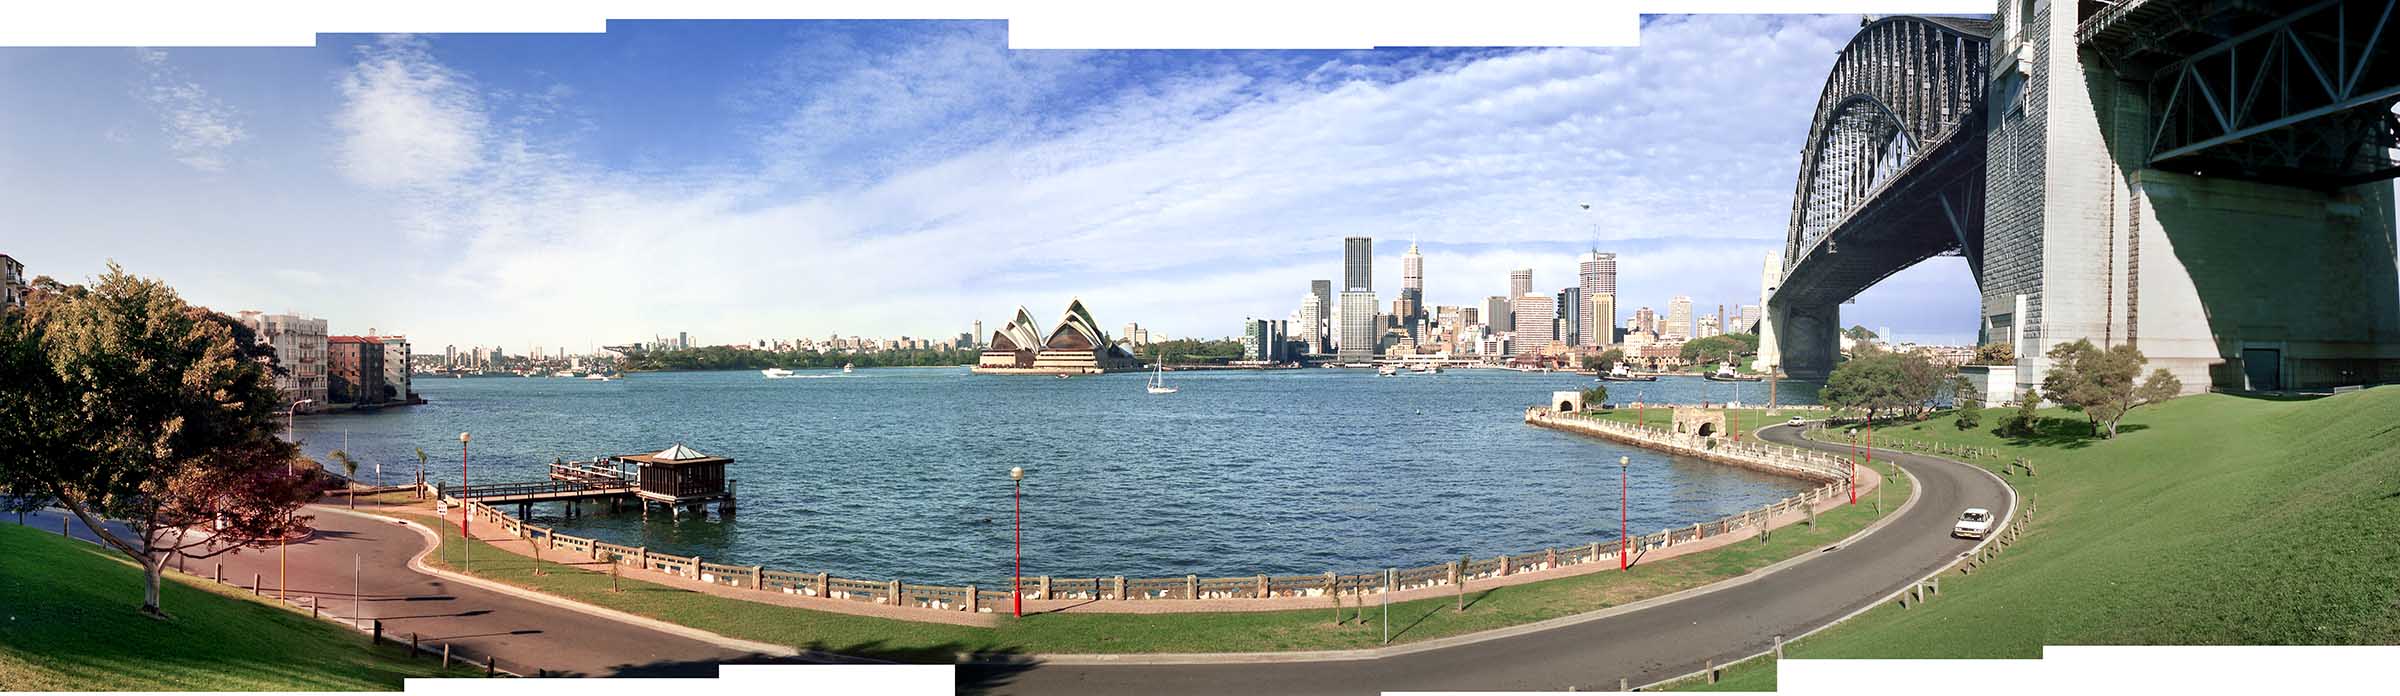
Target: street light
x: 283, y: 550
x: 467, y: 538
x: 1016, y: 578
x: 1624, y: 496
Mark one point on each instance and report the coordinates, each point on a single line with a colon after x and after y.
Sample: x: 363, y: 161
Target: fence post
x: 377, y: 637
x: 825, y: 585
x: 1712, y: 670
x: 1332, y: 585
x: 1503, y: 571
x: 490, y: 667
x: 641, y: 558
x: 1191, y: 587
x: 257, y: 586
x: 1779, y: 647
x: 971, y: 600
x: 695, y: 571
x: 412, y: 645
x: 895, y: 590
x: 1121, y: 587
x: 445, y: 656
x: 1041, y: 588
x: 758, y: 577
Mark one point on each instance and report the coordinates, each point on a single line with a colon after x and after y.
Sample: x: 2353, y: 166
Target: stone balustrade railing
x: 1811, y: 465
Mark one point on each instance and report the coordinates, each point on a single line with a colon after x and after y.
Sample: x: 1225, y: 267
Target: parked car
x: 1973, y: 524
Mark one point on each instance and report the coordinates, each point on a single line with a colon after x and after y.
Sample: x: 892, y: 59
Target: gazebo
x: 679, y: 476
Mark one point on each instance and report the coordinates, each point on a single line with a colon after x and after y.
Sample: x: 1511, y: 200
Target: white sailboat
x: 845, y: 368
x: 1158, y: 380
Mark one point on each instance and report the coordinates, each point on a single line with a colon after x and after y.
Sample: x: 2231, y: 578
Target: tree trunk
x: 151, y: 570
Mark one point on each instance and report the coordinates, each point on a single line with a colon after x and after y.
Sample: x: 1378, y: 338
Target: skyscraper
x: 1358, y: 264
x: 1520, y: 283
x: 1570, y: 311
x: 1359, y: 329
x: 1309, y: 330
x: 1496, y: 314
x: 1598, y: 273
x: 975, y: 336
x: 1412, y: 284
x: 1536, y: 316
x: 1323, y: 291
x: 1679, y: 318
x: 1645, y: 320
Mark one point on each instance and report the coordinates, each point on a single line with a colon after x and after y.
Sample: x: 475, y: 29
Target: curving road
x: 1660, y: 642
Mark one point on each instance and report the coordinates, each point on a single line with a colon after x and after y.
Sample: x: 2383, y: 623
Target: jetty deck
x: 675, y: 478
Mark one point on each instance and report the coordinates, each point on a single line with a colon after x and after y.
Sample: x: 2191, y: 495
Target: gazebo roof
x: 678, y: 455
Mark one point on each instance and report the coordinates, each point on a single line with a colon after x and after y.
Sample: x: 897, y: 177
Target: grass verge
x: 1056, y: 633
x: 2209, y: 520
x: 73, y: 622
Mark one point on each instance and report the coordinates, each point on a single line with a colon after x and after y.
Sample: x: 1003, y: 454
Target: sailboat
x: 1158, y: 380
x: 845, y: 368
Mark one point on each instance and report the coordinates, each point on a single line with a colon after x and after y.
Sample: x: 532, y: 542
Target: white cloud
x: 913, y: 187
x: 406, y: 120
x: 199, y: 127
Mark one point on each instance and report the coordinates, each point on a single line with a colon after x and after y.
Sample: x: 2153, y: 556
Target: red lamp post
x: 1624, y: 496
x: 1016, y: 578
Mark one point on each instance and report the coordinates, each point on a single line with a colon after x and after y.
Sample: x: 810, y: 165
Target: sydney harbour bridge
x: 2207, y: 180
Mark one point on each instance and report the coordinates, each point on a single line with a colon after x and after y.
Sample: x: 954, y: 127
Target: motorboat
x: 776, y: 373
x: 1725, y: 373
x: 1387, y: 371
x: 597, y: 377
x: 1158, y: 381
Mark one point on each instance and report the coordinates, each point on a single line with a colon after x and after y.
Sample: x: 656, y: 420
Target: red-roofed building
x: 357, y: 369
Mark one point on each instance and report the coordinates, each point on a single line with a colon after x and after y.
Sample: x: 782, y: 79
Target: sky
x: 777, y: 179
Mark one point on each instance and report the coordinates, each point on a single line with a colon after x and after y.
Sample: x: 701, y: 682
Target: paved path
x: 1642, y: 646
x: 525, y: 635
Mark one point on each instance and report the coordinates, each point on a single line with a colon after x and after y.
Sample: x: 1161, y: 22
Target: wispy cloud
x: 199, y: 127
x: 407, y: 121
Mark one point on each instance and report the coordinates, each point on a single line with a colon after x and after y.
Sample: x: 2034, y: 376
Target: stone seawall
x: 1774, y: 459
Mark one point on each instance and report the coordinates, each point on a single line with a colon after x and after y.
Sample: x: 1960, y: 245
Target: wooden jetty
x: 675, y: 478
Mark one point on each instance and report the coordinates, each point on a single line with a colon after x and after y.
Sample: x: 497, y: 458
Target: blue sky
x: 763, y: 179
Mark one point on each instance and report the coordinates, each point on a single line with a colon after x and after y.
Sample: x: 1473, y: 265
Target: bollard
x: 1621, y: 684
x: 490, y: 667
x: 412, y: 641
x: 1712, y: 670
x: 312, y: 608
x: 220, y: 572
x: 257, y: 584
x: 62, y: 525
x: 1937, y: 585
x: 445, y: 656
x: 1779, y: 647
x: 376, y: 638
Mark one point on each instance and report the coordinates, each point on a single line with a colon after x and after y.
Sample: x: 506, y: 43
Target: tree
x: 349, y: 471
x: 420, y: 473
x: 2101, y: 382
x: 129, y: 405
x: 1608, y: 360
x: 2020, y: 422
x: 1995, y: 354
x: 1717, y: 347
x: 1859, y: 333
x: 1882, y: 382
x: 1595, y: 396
x: 1970, y: 403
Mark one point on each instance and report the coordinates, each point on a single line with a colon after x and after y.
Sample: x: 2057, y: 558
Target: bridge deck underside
x: 1905, y: 223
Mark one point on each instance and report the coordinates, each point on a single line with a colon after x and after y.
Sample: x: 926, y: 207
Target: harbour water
x: 902, y: 473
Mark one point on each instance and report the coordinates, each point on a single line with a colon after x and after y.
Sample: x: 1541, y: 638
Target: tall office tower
x: 1679, y: 318
x: 1309, y: 328
x: 1470, y: 315
x: 1358, y: 264
x: 1535, y: 317
x: 1645, y: 320
x: 450, y: 355
x: 1748, y: 323
x: 1520, y: 283
x: 976, y: 335
x: 1570, y: 311
x: 1603, y: 309
x: 1412, y: 282
x: 1496, y: 314
x: 683, y: 340
x: 1598, y: 273
x: 1721, y: 328
x: 1359, y: 328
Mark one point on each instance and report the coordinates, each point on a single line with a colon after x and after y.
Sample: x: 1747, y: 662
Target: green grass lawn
x: 73, y: 622
x: 2210, y: 520
x: 1311, y: 629
x: 1741, y: 419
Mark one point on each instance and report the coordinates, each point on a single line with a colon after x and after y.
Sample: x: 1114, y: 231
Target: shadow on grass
x: 1438, y: 608
x: 2065, y: 433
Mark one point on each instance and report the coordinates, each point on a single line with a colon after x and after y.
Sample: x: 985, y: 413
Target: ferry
x: 776, y: 373
x: 1725, y: 373
x: 1387, y: 370
x: 1620, y: 374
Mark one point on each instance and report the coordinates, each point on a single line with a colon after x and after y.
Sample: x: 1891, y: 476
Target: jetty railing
x: 1830, y: 471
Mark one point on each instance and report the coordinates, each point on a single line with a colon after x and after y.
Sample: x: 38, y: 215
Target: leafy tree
x: 1970, y: 403
x: 1858, y: 332
x: 1995, y: 354
x: 124, y: 403
x: 2020, y: 423
x: 1881, y: 382
x: 2102, y: 382
x: 1595, y: 396
x: 1717, y: 347
x: 1608, y: 360
x: 349, y: 471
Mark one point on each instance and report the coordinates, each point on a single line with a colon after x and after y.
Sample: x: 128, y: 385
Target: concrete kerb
x: 1880, y: 601
x: 1915, y: 487
x: 417, y: 563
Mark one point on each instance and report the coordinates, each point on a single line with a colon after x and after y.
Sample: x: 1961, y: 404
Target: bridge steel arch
x: 1892, y: 173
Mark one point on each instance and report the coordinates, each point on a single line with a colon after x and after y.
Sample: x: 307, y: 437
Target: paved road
x: 525, y: 636
x: 1641, y: 646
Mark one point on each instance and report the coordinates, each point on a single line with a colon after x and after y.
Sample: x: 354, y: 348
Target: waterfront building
x: 1536, y: 316
x: 1075, y: 346
x: 1520, y: 283
x: 1707, y: 328
x: 1597, y: 273
x: 354, y: 367
x: 1358, y: 326
x: 1679, y: 319
x: 1498, y: 315
x: 396, y: 359
x: 1262, y: 340
x: 1358, y: 264
x: 12, y: 282
x: 300, y: 345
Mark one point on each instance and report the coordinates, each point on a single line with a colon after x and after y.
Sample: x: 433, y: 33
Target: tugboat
x: 1725, y: 373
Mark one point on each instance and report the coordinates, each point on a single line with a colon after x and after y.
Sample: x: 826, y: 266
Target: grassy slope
x: 1311, y: 629
x: 73, y: 622
x: 2210, y: 520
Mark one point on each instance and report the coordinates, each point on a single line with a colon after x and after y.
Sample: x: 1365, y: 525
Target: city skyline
x: 520, y: 188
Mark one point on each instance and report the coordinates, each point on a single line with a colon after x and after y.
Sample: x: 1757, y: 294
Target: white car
x: 1795, y: 422
x: 1973, y: 524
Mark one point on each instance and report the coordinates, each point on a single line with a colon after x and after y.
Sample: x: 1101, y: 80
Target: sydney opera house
x: 1076, y: 346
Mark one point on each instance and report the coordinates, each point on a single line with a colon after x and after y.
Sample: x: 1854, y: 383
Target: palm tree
x: 420, y: 473
x: 349, y: 471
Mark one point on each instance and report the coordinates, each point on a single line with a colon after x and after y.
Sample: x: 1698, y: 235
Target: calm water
x: 903, y: 472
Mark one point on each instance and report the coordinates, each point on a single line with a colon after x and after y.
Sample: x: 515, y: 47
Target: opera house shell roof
x: 1075, y: 345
